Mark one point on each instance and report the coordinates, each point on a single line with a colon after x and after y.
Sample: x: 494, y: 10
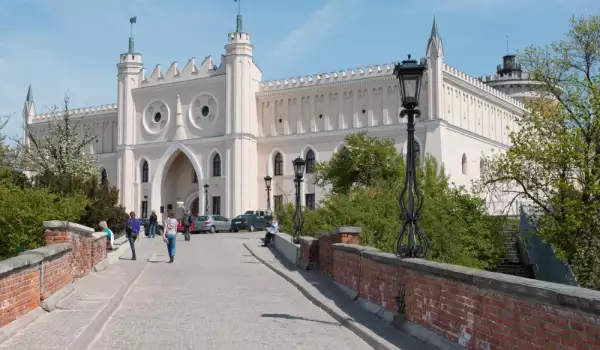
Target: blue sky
x: 73, y: 46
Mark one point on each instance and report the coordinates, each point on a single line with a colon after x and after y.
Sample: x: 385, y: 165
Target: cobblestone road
x: 217, y: 296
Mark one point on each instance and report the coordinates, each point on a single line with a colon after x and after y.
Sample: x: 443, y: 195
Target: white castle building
x: 172, y: 132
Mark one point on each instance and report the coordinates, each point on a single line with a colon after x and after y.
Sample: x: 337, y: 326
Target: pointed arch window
x: 310, y: 161
x: 464, y: 164
x: 145, y: 172
x: 216, y: 165
x: 278, y: 164
x: 104, y: 177
x: 417, y: 149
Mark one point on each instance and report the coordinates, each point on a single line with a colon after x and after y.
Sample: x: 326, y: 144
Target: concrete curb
x: 94, y: 329
x: 50, y: 303
x: 19, y: 324
x: 363, y: 332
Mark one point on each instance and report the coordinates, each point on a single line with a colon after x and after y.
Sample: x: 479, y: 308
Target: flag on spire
x: 133, y: 19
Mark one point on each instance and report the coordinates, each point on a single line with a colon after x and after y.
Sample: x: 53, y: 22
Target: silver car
x: 211, y: 223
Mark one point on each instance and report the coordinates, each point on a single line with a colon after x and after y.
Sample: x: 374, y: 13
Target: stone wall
x: 28, y: 279
x: 452, y: 306
x: 473, y: 308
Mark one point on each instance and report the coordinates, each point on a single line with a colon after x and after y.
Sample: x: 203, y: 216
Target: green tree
x: 61, y: 151
x: 62, y: 164
x: 554, y: 158
x: 362, y: 161
x: 461, y: 231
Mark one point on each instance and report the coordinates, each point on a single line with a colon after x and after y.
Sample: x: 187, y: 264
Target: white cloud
x: 319, y: 27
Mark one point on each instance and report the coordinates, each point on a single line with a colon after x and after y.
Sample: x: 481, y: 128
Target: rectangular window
x: 216, y: 205
x: 144, y: 209
x: 309, y: 199
x: 277, y: 202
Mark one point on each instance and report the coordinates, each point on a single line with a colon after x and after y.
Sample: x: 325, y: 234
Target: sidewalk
x: 77, y: 318
x: 320, y: 290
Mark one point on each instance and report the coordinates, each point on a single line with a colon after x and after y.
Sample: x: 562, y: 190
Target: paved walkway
x: 215, y: 296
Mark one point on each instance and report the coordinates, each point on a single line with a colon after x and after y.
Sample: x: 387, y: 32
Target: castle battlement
x: 370, y: 71
x: 206, y: 69
x: 481, y: 85
x: 516, y: 75
x: 78, y: 112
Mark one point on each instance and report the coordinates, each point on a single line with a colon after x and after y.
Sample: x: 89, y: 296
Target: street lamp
x: 409, y: 74
x: 206, y: 199
x: 268, y: 185
x: 299, y: 164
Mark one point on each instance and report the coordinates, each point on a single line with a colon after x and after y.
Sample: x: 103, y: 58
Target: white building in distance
x: 220, y: 124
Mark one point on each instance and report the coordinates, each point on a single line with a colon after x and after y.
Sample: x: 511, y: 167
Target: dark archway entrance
x: 195, y: 208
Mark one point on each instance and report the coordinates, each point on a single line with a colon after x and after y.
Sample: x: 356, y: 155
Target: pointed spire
x: 29, y: 98
x: 179, y: 127
x: 239, y: 25
x: 435, y: 46
x: 434, y: 30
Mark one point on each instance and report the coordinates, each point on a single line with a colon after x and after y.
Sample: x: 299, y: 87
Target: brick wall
x: 19, y: 293
x: 348, y: 235
x: 474, y: 308
x: 89, y: 248
x: 57, y: 273
x: 71, y: 251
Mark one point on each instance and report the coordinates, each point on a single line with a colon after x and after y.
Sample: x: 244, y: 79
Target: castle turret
x: 435, y: 71
x: 129, y: 67
x: 243, y: 78
x: 511, y: 80
x: 28, y: 114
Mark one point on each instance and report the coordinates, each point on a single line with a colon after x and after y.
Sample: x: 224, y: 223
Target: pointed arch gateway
x: 176, y: 153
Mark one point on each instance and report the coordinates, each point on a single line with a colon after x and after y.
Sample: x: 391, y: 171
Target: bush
x: 103, y: 199
x: 366, y: 180
x: 23, y: 211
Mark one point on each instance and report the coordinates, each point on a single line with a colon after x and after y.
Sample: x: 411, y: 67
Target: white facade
x: 170, y: 125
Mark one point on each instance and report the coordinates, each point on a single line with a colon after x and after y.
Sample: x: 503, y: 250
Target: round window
x: 205, y: 110
x: 157, y: 117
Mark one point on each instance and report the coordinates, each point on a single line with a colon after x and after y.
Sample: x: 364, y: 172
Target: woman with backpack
x: 132, y: 230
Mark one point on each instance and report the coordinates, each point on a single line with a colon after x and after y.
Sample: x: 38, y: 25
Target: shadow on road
x: 324, y: 284
x: 290, y: 317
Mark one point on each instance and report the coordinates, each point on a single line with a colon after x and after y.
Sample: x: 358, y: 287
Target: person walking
x: 152, y: 224
x: 186, y: 221
x: 132, y: 230
x: 110, y: 236
x: 271, y: 231
x: 170, y: 236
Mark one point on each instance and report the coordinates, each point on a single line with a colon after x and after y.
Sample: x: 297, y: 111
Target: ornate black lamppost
x: 409, y: 74
x: 206, y: 199
x: 268, y: 185
x: 299, y: 164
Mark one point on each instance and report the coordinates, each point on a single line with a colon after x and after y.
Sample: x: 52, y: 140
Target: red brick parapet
x: 309, y: 253
x: 32, y: 277
x: 474, y: 308
x: 348, y: 235
x: 89, y: 247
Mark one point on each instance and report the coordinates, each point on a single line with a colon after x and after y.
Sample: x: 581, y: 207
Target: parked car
x: 250, y: 222
x: 146, y: 224
x: 211, y: 223
x: 180, y: 226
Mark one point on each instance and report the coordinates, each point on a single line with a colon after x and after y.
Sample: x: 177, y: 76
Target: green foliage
x: 23, y: 211
x: 554, y: 158
x: 363, y: 161
x: 103, y: 200
x: 367, y: 196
